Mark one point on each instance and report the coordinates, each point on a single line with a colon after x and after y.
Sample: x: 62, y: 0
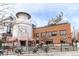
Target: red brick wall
x: 78, y: 36
x: 57, y: 38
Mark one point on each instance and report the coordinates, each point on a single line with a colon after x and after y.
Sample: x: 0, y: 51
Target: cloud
x: 41, y: 12
x: 74, y: 21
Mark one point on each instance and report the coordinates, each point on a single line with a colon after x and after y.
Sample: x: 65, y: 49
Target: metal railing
x: 20, y: 50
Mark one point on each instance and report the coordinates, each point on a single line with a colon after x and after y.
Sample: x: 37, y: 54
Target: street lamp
x: 74, y: 39
x: 27, y: 40
x: 61, y: 44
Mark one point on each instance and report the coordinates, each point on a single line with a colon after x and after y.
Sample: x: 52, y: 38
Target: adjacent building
x: 52, y: 34
x: 78, y: 36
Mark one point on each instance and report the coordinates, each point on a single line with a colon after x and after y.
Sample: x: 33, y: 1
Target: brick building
x: 53, y: 33
x: 78, y: 36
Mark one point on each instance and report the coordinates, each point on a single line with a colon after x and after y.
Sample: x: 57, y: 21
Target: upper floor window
x: 62, y: 32
x: 54, y: 33
x: 37, y: 34
x: 48, y: 33
x: 43, y: 34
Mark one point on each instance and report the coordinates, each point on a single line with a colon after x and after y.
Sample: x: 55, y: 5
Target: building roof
x: 29, y: 16
x: 52, y: 25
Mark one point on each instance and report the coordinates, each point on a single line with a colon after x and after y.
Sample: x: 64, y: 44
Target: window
x: 9, y: 29
x: 54, y: 33
x: 62, y: 32
x: 37, y: 34
x: 23, y: 43
x: 43, y: 34
x: 48, y: 34
x: 49, y: 42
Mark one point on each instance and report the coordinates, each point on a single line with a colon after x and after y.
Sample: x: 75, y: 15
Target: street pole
x: 27, y: 41
x: 74, y: 37
x: 61, y: 45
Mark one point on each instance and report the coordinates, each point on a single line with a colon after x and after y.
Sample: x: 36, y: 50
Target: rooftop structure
x: 23, y: 13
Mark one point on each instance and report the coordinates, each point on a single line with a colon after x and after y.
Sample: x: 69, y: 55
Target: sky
x: 42, y: 12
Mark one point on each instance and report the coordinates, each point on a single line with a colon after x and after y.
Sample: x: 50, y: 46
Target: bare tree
x: 56, y: 20
x: 6, y: 15
x: 5, y: 11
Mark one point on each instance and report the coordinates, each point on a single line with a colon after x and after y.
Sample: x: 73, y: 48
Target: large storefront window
x: 49, y: 42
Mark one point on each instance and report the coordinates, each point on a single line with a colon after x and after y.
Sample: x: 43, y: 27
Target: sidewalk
x: 42, y: 53
x: 66, y: 53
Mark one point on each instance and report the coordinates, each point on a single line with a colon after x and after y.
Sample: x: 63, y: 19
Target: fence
x: 63, y: 47
x: 30, y: 50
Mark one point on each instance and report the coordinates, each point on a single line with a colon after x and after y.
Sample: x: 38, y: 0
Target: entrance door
x: 23, y: 43
x: 37, y: 41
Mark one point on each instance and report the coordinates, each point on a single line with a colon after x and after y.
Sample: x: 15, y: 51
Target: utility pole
x: 74, y: 38
x: 27, y: 42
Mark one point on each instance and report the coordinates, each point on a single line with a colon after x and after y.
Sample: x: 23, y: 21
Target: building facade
x: 22, y: 29
x: 53, y: 34
x: 78, y: 36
